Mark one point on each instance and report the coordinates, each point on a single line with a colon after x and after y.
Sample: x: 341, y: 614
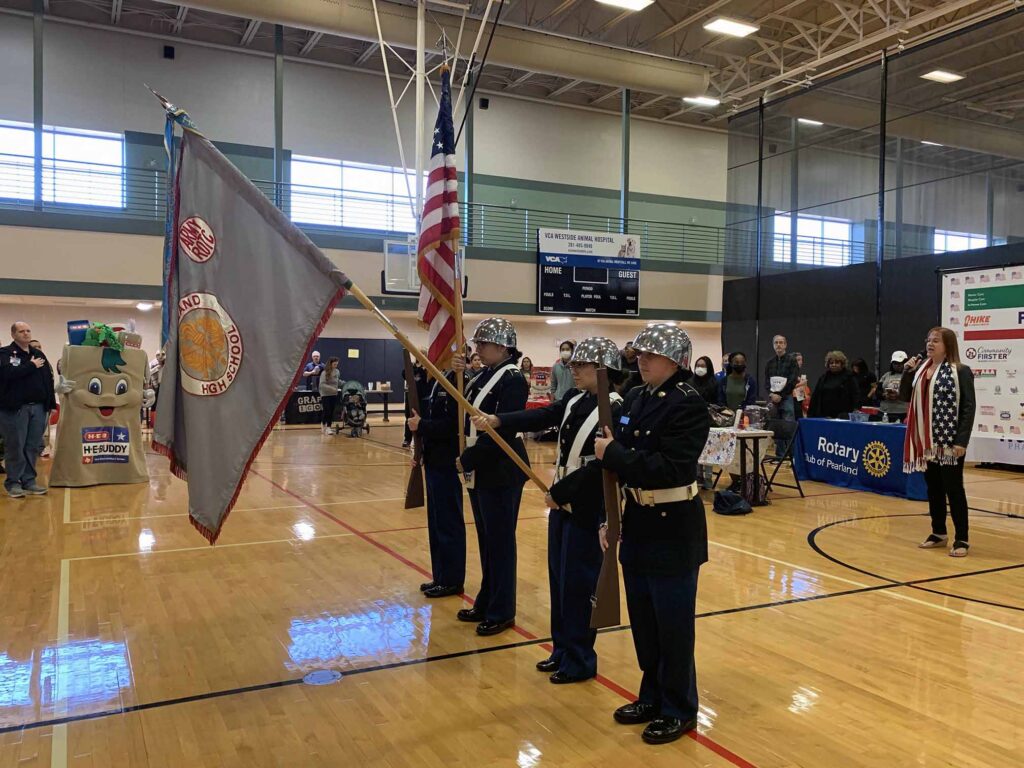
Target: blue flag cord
x: 179, y: 117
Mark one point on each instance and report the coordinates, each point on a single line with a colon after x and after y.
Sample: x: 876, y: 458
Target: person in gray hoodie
x: 330, y: 380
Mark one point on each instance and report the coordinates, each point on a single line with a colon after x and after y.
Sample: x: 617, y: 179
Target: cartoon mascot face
x: 99, y: 437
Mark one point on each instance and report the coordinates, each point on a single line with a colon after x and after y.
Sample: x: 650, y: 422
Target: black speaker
x: 168, y: 51
x: 484, y: 102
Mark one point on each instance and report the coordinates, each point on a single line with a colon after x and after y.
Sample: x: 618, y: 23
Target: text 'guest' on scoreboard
x: 588, y: 273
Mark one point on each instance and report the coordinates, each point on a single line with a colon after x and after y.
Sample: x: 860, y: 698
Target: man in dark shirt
x: 780, y: 376
x: 26, y: 394
x: 312, y: 372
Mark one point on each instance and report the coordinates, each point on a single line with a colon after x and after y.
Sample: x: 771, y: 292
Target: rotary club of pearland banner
x: 247, y: 293
x: 985, y: 307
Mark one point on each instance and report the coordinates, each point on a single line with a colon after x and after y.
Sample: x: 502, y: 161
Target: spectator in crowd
x: 802, y: 390
x: 706, y: 384
x: 475, y: 365
x: 940, y: 417
x: 561, y: 374
x: 739, y: 388
x: 26, y: 395
x: 867, y: 382
x: 526, y: 366
x: 890, y: 403
x: 312, y: 371
x: 836, y: 393
x: 719, y: 375
x: 781, y: 375
x: 631, y: 367
x: 44, y: 445
x: 330, y: 382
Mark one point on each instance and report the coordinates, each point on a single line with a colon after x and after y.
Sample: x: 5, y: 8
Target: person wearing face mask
x: 738, y: 389
x: 705, y: 382
x: 561, y: 375
x: 576, y: 506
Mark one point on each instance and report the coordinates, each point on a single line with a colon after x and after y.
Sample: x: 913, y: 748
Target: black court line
x: 462, y: 654
x: 1011, y: 515
x: 914, y: 584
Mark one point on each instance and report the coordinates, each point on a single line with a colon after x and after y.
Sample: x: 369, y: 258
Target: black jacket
x: 706, y: 387
x: 968, y: 402
x: 439, y: 426
x: 658, y: 439
x: 834, y: 396
x: 492, y: 468
x: 785, y: 367
x: 21, y: 382
x: 582, y: 490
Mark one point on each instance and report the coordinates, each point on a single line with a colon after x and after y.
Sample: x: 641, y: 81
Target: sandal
x: 934, y: 541
x: 959, y: 549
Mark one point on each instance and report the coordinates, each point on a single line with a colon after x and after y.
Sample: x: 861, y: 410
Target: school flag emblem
x: 248, y: 293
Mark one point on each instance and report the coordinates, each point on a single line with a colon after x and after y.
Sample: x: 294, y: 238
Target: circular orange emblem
x: 210, y: 346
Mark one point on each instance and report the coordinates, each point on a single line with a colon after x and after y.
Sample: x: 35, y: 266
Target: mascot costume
x: 99, y: 436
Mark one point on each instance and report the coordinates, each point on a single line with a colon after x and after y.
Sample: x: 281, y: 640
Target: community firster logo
x: 877, y: 459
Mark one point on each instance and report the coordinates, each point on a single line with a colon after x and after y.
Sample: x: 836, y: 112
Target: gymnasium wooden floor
x: 825, y: 637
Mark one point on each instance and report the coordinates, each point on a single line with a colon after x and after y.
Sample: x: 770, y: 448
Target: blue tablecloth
x: 863, y: 455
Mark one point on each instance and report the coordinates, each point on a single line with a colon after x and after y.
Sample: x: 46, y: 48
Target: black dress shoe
x: 441, y: 591
x: 488, y: 627
x: 548, y: 665
x: 636, y: 713
x: 561, y: 678
x: 427, y: 585
x: 470, y: 615
x: 662, y: 730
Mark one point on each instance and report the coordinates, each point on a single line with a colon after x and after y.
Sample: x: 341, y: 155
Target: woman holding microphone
x: 940, y: 418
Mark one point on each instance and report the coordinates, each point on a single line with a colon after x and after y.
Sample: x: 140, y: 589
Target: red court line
x: 611, y: 685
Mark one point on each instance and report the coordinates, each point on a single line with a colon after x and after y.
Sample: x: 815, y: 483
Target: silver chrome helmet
x: 599, y: 350
x: 496, y: 330
x: 667, y: 341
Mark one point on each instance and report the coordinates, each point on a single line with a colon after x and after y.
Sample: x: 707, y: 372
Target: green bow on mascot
x: 99, y: 435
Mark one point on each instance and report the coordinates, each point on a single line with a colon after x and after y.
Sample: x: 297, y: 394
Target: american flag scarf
x: 932, y: 418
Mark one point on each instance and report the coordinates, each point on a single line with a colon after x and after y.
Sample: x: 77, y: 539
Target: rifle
x: 606, y: 598
x: 414, y: 490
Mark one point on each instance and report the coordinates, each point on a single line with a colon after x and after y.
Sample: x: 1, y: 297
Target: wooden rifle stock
x: 606, y: 598
x: 414, y: 490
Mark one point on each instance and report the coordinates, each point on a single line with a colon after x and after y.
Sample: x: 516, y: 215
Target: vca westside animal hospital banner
x: 985, y: 307
x: 865, y: 456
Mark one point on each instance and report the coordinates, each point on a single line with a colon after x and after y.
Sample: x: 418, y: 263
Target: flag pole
x: 460, y: 347
x: 441, y: 379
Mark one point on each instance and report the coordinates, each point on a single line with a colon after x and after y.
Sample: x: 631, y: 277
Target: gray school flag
x: 247, y: 294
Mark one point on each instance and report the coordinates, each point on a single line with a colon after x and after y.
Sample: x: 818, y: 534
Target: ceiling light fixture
x: 558, y: 320
x: 731, y: 27
x: 808, y: 121
x: 702, y: 101
x: 942, y: 76
x: 629, y: 5
x: 932, y: 143
x: 144, y: 306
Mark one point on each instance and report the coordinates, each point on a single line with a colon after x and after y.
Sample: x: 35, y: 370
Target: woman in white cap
x: 577, y: 509
x: 889, y: 385
x: 495, y: 483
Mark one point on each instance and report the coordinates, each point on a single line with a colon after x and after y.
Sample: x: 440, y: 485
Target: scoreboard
x: 588, y: 273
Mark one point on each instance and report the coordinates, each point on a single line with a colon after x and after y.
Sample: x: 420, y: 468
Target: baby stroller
x: 353, y: 408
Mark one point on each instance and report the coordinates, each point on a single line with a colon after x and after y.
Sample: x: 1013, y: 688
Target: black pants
x: 947, y: 481
x: 328, y: 402
x: 446, y: 529
x: 662, y: 612
x: 496, y: 512
x: 574, y: 564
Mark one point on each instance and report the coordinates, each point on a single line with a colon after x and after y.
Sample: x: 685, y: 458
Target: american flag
x: 439, y: 236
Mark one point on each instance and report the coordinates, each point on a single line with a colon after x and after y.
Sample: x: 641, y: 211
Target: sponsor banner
x: 105, y: 445
x: 985, y: 308
x: 867, y: 456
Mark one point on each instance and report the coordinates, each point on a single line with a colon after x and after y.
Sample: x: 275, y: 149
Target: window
x: 79, y: 167
x: 338, y: 193
x: 957, y: 241
x: 820, y: 241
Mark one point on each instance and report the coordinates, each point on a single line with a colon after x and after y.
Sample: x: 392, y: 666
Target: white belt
x: 561, y: 472
x: 646, y: 498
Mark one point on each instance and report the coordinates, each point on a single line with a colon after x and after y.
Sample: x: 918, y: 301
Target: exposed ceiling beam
x: 564, y: 6
x: 650, y: 102
x: 310, y: 44
x: 684, y: 23
x: 519, y: 81
x: 115, y: 11
x: 249, y: 33
x: 179, y: 20
x: 612, y: 92
x: 567, y: 87
x: 366, y: 54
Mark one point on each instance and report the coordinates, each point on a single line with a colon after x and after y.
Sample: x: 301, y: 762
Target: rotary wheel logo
x: 877, y: 460
x: 209, y: 343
